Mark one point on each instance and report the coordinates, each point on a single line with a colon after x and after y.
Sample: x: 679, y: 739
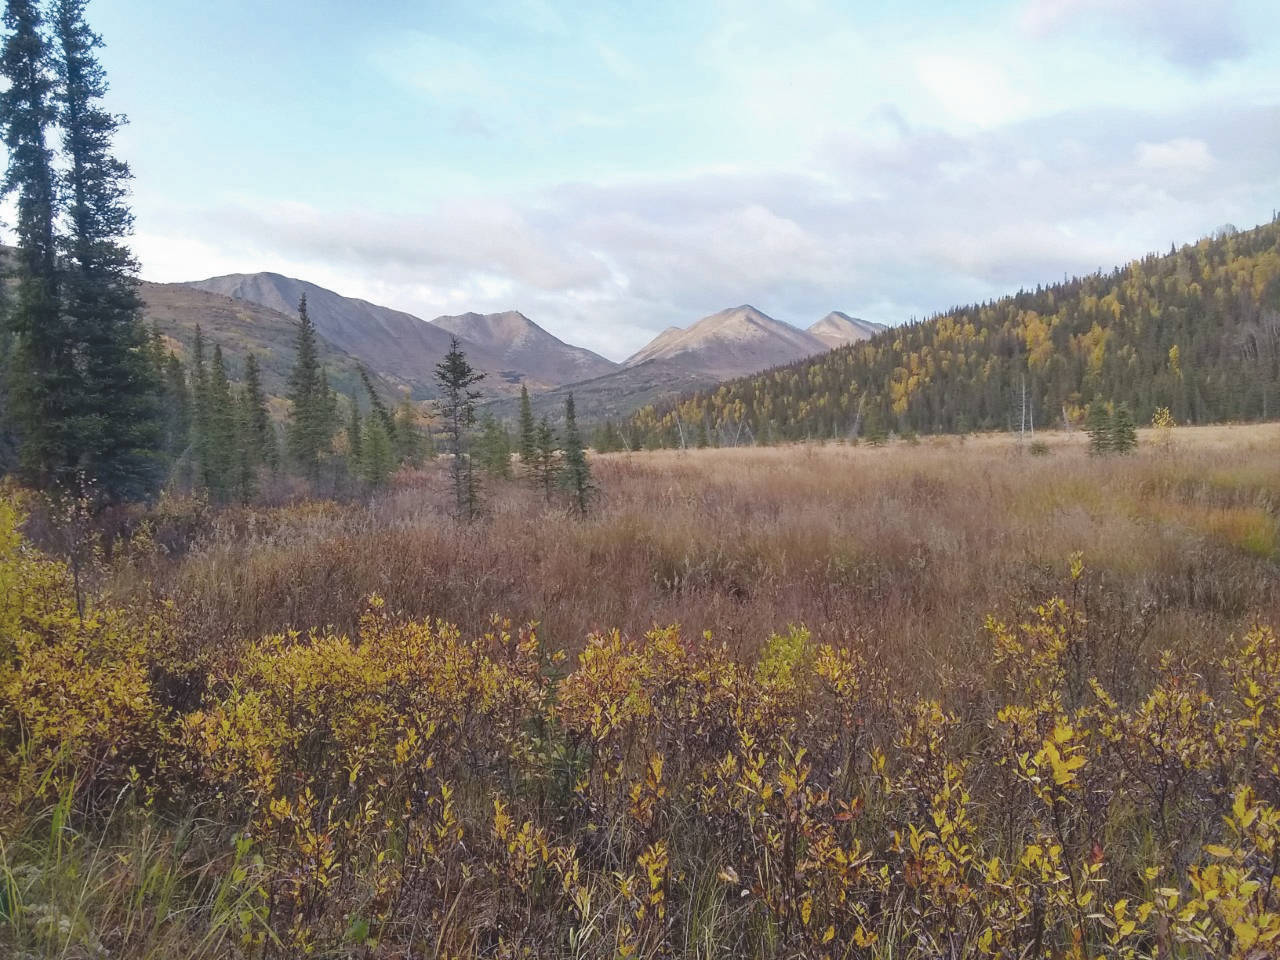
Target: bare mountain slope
x: 731, y: 343
x: 512, y: 343
x: 837, y: 329
x: 241, y: 327
x: 615, y: 395
x: 389, y: 341
x: 509, y: 347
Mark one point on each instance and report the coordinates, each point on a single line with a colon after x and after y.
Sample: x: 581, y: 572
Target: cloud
x: 1181, y: 156
x: 972, y: 91
x: 896, y: 222
x: 1189, y: 33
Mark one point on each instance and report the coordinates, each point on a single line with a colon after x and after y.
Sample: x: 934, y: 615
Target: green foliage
x: 312, y: 406
x: 575, y: 475
x: 456, y: 405
x: 528, y: 430
x: 608, y: 439
x: 873, y: 428
x: 546, y: 458
x: 258, y: 436
x: 1124, y: 434
x: 1194, y: 330
x: 493, y: 448
x: 1098, y: 425
x: 116, y: 421
x: 377, y: 454
x: 412, y: 446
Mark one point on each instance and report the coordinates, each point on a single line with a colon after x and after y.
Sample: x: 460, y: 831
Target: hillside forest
x: 1196, y: 330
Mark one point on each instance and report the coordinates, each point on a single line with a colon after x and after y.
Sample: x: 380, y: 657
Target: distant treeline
x: 1196, y: 330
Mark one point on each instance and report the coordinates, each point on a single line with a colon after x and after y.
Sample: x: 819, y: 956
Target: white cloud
x: 971, y: 91
x: 1191, y: 33
x: 903, y: 221
x: 1181, y: 156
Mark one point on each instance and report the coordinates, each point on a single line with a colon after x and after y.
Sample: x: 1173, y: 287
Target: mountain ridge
x: 732, y: 342
x: 406, y: 347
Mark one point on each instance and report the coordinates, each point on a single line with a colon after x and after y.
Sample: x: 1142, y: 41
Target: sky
x: 610, y: 169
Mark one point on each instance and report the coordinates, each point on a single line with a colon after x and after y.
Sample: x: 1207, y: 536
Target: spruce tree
x: 576, y: 474
x: 377, y: 408
x: 1124, y: 435
x: 223, y: 440
x: 201, y: 422
x: 607, y: 438
x: 493, y: 448
x: 355, y: 441
x: 545, y: 457
x: 260, y: 436
x: 456, y: 406
x: 410, y: 448
x: 177, y: 406
x: 528, y: 430
x: 377, y: 455
x: 43, y: 381
x: 117, y: 425
x: 873, y: 428
x: 245, y: 455
x: 1098, y: 425
x: 312, y: 406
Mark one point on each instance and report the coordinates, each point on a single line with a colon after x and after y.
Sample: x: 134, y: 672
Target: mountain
x: 513, y: 344
x: 838, y: 329
x: 392, y: 342
x: 1196, y: 330
x: 241, y: 327
x: 508, y: 347
x: 613, y: 396
x: 731, y: 343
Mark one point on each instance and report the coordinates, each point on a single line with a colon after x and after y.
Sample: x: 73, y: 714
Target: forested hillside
x: 1196, y: 330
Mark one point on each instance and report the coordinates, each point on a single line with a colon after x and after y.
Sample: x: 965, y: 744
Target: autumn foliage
x: 412, y: 791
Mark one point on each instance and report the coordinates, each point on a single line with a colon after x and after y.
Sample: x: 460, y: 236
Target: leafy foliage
x: 407, y: 788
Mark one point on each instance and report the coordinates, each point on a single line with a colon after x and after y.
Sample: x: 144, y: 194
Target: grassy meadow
x: 960, y: 697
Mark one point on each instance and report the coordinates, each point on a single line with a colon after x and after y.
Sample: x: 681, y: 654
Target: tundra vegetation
x: 914, y: 700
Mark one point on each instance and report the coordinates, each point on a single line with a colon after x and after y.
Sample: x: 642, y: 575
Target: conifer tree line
x: 91, y: 401
x: 81, y: 406
x: 1111, y: 428
x: 221, y: 439
x: 548, y: 462
x: 1196, y: 330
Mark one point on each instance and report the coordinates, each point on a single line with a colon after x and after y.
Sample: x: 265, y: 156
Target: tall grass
x: 906, y: 547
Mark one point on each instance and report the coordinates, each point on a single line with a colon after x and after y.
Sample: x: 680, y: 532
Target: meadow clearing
x: 937, y: 699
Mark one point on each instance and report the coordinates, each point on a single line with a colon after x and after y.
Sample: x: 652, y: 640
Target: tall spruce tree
x: 545, y: 457
x: 1098, y: 425
x: 259, y: 435
x: 457, y: 409
x: 576, y: 474
x: 1123, y: 432
x: 201, y: 423
x: 377, y: 408
x: 377, y: 461
x: 177, y: 406
x: 355, y: 441
x: 223, y: 445
x: 493, y: 448
x: 311, y: 405
x: 43, y: 379
x: 528, y: 430
x: 410, y: 447
x: 116, y: 422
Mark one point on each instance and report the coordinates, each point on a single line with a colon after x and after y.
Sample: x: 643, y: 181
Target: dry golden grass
x: 906, y: 547
x: 906, y: 776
